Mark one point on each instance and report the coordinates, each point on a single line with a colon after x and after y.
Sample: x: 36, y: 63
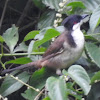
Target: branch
x: 29, y: 2
x: 16, y: 78
x: 3, y: 13
x: 27, y: 26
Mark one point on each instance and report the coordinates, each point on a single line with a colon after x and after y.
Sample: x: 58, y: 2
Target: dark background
x: 25, y: 15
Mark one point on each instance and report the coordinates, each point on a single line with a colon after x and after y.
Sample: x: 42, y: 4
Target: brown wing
x: 56, y: 46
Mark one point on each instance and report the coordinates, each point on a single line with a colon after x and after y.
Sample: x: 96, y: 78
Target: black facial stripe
x: 71, y: 41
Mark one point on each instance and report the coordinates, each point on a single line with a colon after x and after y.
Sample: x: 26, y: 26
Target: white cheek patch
x: 76, y: 26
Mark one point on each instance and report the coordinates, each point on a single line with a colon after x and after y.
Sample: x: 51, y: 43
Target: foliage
x: 75, y: 82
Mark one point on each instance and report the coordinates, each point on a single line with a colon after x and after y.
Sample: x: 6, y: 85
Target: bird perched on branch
x: 65, y: 50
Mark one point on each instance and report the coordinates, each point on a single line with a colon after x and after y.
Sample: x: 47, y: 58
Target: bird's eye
x: 75, y: 22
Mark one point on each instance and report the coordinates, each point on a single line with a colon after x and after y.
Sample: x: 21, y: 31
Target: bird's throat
x: 78, y: 38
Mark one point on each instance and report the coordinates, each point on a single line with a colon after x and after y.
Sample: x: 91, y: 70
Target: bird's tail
x: 22, y: 67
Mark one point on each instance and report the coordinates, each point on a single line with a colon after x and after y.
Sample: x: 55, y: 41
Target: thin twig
x: 5, y: 47
x: 3, y: 13
x: 37, y: 97
x: 22, y: 54
x: 2, y: 48
x: 18, y: 12
x: 3, y: 65
x: 6, y: 50
x: 16, y: 78
x: 27, y: 26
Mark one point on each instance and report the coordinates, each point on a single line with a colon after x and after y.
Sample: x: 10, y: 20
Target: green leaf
x: 23, y: 60
x: 50, y: 33
x: 77, y: 4
x: 21, y: 47
x: 47, y: 98
x: 11, y: 85
x: 38, y: 80
x: 71, y: 91
x: 80, y: 76
x: 39, y: 4
x: 60, y: 29
x: 31, y: 35
x: 89, y: 4
x: 47, y: 19
x: 57, y: 88
x: 89, y: 37
x: 1, y: 39
x: 41, y: 34
x: 11, y: 37
x: 95, y: 19
x: 30, y: 48
x: 53, y: 4
x: 93, y: 36
x: 28, y: 94
x: 95, y: 78
x: 93, y: 52
x: 35, y: 57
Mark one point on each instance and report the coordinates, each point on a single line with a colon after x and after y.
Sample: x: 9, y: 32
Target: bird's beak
x: 85, y: 17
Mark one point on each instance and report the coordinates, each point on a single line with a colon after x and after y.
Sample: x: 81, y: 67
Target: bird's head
x: 75, y: 21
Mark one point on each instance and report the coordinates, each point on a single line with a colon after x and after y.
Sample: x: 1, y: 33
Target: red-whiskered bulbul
x: 65, y: 50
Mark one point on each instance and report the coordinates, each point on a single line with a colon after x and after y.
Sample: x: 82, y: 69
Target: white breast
x: 78, y: 38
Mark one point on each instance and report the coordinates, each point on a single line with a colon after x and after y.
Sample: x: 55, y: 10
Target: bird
x: 65, y: 50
